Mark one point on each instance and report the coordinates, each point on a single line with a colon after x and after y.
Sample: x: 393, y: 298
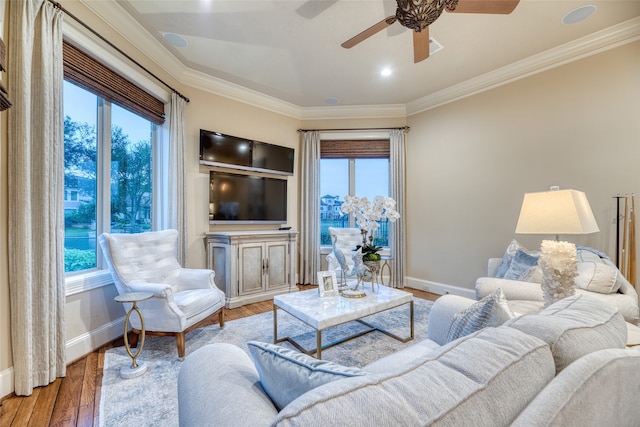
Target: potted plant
x: 368, y: 215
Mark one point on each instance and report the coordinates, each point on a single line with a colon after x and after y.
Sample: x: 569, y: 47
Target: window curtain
x: 177, y: 199
x: 398, y: 231
x: 310, y: 208
x: 36, y: 168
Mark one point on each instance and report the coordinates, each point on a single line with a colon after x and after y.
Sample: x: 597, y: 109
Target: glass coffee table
x: 323, y: 313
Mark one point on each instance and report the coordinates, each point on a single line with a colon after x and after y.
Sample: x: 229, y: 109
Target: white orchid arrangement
x: 368, y: 216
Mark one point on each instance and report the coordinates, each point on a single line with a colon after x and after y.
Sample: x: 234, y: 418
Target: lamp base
x: 559, y: 267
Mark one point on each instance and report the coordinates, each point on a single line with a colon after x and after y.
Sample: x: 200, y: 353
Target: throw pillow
x: 509, y: 253
x: 597, y: 277
x: 520, y: 263
x: 286, y: 374
x: 532, y: 275
x: 490, y: 311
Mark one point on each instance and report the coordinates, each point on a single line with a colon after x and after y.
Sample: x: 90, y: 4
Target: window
x: 357, y: 168
x: 107, y: 174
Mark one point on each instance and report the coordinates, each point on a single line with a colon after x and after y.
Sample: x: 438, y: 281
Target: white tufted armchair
x: 344, y: 241
x: 182, y: 297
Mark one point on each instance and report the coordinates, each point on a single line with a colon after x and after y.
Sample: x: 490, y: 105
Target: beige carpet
x: 151, y: 399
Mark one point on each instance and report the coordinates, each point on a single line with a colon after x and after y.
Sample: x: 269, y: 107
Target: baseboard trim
x: 439, y: 288
x: 84, y: 344
x: 6, y: 382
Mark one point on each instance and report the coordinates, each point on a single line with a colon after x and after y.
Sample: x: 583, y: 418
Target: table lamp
x: 557, y: 212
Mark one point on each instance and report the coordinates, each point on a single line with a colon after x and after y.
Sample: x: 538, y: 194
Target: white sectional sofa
x: 526, y: 297
x: 566, y: 365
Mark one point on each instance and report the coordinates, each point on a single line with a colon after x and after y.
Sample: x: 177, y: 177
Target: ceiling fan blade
x: 312, y: 8
x: 485, y: 6
x: 420, y: 45
x: 369, y: 32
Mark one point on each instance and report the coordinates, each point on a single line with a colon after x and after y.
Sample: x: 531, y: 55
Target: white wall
x: 470, y: 162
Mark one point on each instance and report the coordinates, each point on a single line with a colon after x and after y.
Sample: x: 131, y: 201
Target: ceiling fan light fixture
x: 419, y: 14
x: 385, y: 72
x: 578, y: 14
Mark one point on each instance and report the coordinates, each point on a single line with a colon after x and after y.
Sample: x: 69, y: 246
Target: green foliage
x: 131, y: 175
x: 85, y: 214
x: 131, y: 178
x: 370, y: 252
x: 78, y: 259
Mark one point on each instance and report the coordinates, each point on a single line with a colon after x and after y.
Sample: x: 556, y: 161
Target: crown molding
x: 123, y: 23
x: 233, y: 91
x: 388, y: 111
x: 609, y: 38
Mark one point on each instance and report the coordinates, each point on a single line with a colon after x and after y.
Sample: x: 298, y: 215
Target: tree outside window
x: 129, y: 180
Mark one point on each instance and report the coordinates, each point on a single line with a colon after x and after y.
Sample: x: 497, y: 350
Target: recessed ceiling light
x: 332, y: 101
x: 579, y: 14
x: 175, y: 40
x: 385, y: 72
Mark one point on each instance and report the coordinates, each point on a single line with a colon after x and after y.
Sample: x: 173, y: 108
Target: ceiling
x: 289, y: 51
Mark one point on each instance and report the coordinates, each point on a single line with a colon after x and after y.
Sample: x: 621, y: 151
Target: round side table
x: 136, y: 369
x: 386, y: 263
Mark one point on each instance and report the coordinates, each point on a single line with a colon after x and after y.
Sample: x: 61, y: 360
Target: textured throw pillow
x: 490, y: 311
x: 509, y: 253
x: 597, y: 277
x: 286, y: 374
x: 532, y: 275
x: 520, y: 263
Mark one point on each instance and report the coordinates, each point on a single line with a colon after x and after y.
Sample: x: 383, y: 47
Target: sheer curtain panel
x: 177, y: 199
x: 310, y: 207
x: 398, y: 231
x: 36, y: 170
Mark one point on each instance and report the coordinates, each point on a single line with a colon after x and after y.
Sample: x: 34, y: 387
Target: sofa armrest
x: 441, y: 316
x: 218, y: 385
x: 512, y: 289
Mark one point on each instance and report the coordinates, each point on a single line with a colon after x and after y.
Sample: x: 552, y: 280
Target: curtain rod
x: 404, y: 128
x: 120, y: 51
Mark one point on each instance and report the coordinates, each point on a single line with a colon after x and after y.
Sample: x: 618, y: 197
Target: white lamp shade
x: 556, y: 212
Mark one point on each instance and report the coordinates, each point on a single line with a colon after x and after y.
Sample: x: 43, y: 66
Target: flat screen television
x: 246, y: 199
x: 218, y: 149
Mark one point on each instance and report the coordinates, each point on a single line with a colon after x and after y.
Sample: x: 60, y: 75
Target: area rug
x: 152, y: 399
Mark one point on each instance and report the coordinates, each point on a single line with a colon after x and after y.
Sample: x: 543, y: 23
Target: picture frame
x: 327, y: 284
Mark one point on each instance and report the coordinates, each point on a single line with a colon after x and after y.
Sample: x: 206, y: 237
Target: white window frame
x: 355, y: 135
x: 86, y: 280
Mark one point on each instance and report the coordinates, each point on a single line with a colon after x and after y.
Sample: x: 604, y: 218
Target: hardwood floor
x: 75, y: 399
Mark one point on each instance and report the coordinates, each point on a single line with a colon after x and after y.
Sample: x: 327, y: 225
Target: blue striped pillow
x: 490, y: 311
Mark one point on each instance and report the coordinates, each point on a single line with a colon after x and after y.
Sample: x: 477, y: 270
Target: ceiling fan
x: 417, y: 15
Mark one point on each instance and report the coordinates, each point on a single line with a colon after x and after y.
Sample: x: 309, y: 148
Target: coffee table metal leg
x: 390, y: 334
x: 320, y: 347
x: 275, y: 324
x: 411, y: 317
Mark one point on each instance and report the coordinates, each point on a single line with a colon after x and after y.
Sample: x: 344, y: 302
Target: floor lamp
x: 557, y: 212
